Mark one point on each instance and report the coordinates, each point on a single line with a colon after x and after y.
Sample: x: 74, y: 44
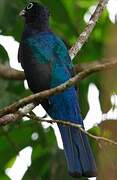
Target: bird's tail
x: 80, y: 160
x: 78, y: 152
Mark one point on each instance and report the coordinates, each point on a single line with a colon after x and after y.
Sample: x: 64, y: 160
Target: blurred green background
x: 67, y: 20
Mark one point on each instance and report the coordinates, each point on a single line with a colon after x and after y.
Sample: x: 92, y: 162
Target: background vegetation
x: 67, y: 20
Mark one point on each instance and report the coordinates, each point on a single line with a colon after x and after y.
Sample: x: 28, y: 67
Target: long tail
x: 78, y: 153
x: 77, y: 149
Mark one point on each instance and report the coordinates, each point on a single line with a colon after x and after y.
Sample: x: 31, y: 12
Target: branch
x: 88, y: 29
x: 13, y: 117
x: 104, y: 64
x: 78, y: 126
x: 10, y: 73
x: 9, y: 118
x: 45, y: 94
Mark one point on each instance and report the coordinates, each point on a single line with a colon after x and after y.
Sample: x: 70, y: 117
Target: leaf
x: 3, y: 55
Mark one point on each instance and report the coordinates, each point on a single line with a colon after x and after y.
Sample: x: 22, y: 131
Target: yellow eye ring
x: 30, y: 6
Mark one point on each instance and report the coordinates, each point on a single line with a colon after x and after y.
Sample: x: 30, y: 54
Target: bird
x: 47, y: 64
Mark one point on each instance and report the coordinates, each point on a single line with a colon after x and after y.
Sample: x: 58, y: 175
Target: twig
x: 88, y: 29
x: 68, y: 123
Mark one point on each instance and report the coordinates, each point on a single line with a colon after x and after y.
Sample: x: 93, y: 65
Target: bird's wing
x: 48, y: 49
x: 63, y: 55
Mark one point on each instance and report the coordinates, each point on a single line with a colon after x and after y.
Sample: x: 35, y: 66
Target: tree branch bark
x: 13, y: 117
x: 88, y: 29
x: 10, y: 73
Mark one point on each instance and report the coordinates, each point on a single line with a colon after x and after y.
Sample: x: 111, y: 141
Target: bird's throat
x: 38, y: 24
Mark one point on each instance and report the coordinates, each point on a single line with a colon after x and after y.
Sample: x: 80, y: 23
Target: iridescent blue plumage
x: 48, y: 48
x: 47, y: 64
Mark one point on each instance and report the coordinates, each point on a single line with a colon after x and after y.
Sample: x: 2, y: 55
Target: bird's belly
x: 38, y: 76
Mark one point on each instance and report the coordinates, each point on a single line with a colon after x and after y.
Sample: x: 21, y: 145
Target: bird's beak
x: 22, y: 13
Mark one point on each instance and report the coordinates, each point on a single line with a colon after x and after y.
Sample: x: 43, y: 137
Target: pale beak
x: 22, y: 13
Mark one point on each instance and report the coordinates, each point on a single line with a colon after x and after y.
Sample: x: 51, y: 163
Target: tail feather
x: 78, y: 152
x: 86, y: 156
x: 71, y: 151
x: 77, y: 149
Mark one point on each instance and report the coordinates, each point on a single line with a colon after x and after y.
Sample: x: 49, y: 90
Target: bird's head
x: 35, y: 11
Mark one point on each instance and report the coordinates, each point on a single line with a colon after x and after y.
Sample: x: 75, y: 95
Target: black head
x: 35, y: 13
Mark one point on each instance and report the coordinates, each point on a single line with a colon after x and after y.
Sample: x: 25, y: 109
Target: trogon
x: 47, y: 64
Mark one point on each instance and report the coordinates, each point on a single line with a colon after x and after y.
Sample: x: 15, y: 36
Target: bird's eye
x: 30, y: 6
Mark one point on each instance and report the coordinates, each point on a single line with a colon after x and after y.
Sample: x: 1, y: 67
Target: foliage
x: 67, y: 21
